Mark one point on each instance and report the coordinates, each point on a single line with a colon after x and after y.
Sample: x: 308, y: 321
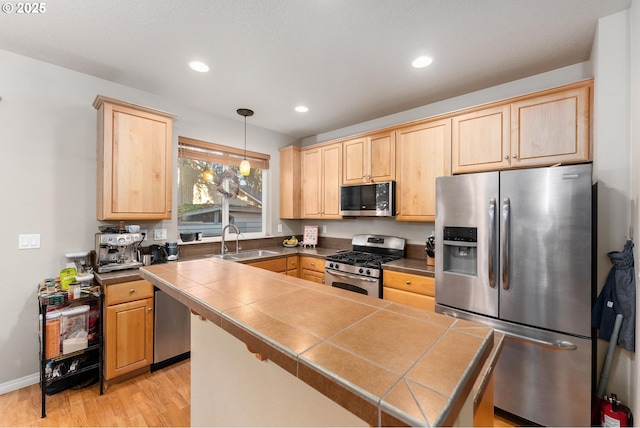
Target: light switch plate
x: 159, y: 234
x: 28, y: 241
x: 279, y: 228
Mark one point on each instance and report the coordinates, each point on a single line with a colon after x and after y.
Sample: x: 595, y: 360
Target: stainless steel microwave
x: 368, y: 200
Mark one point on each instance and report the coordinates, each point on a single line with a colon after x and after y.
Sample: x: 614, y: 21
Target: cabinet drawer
x: 274, y: 265
x: 292, y: 262
x: 408, y: 298
x: 408, y: 282
x: 312, y: 263
x: 128, y: 292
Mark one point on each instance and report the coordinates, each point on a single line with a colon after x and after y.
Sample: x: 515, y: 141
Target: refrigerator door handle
x: 506, y: 232
x: 562, y: 345
x: 492, y: 242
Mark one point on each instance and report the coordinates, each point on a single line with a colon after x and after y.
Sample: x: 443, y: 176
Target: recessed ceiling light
x: 199, y: 66
x: 302, y: 109
x: 422, y: 62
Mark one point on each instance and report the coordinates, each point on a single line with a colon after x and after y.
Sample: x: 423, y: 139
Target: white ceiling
x: 349, y: 61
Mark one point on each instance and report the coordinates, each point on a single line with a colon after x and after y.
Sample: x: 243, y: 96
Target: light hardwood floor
x: 154, y: 399
x: 161, y: 398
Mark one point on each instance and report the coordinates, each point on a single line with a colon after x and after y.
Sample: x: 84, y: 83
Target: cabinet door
x: 293, y: 267
x: 274, y: 265
x: 551, y: 128
x: 480, y: 140
x: 290, y: 183
x: 129, y: 337
x: 407, y: 298
x: 382, y: 157
x: 134, y: 164
x: 369, y: 159
x: 331, y: 180
x: 423, y: 152
x: 355, y: 167
x: 312, y: 183
x: 313, y: 276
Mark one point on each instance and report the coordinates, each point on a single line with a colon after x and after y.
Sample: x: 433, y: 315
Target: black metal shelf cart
x: 76, y: 363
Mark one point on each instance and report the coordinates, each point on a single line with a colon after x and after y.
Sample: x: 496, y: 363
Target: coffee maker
x: 117, y: 251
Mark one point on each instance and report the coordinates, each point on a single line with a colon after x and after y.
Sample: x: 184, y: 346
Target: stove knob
x: 337, y: 266
x: 368, y: 272
x: 331, y: 265
x: 360, y: 270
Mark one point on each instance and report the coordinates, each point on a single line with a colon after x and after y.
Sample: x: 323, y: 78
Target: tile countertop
x: 388, y: 364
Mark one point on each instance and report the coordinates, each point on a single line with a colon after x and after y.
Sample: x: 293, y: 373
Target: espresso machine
x: 118, y: 251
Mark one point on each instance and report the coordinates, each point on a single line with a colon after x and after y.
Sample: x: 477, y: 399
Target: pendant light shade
x: 245, y: 166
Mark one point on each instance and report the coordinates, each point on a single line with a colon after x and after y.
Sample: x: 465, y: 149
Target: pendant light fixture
x: 245, y: 167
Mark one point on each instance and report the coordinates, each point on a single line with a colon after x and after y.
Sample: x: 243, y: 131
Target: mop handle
x: 608, y: 360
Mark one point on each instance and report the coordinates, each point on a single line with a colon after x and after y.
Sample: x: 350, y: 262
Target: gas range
x: 359, y: 263
x: 360, y: 270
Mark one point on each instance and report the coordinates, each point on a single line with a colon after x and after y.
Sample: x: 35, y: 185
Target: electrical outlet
x: 324, y: 228
x: 159, y: 234
x: 144, y: 233
x: 279, y: 228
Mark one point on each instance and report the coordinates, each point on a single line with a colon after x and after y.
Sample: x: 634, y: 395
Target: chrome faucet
x: 223, y: 248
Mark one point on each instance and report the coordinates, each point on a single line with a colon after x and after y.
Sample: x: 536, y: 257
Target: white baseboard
x: 16, y: 384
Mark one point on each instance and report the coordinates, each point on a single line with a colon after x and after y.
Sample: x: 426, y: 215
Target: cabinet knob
x: 408, y: 282
x: 133, y: 290
x: 149, y: 309
x: 515, y: 156
x: 507, y: 157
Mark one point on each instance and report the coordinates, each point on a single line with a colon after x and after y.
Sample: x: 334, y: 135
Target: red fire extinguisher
x: 614, y: 414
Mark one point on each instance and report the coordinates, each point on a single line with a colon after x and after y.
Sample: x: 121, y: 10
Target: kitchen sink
x: 244, y: 255
x: 252, y: 254
x: 223, y: 257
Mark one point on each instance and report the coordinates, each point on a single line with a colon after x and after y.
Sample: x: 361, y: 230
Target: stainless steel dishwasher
x: 171, y: 331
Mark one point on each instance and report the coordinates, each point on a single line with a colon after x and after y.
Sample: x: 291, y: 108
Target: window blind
x: 219, y: 154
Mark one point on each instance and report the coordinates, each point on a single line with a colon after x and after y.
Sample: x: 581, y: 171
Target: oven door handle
x: 345, y: 275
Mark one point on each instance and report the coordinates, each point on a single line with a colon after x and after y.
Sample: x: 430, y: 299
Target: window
x: 212, y: 193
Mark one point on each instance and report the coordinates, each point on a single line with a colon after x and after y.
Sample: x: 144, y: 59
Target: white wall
x: 48, y: 152
x: 613, y: 168
x: 634, y: 50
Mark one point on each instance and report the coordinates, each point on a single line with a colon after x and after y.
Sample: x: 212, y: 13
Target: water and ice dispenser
x: 460, y: 250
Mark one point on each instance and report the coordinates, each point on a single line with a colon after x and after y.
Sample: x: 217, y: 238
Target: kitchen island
x: 384, y: 363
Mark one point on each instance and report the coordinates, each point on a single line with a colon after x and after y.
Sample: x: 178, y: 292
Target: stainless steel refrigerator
x: 514, y: 251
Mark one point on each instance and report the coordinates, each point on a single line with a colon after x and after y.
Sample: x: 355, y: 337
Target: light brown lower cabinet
x: 128, y: 339
x: 408, y: 289
x: 284, y: 265
x: 312, y: 269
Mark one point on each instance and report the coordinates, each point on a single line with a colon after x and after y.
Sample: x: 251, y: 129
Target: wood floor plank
x: 161, y: 398
x: 158, y: 399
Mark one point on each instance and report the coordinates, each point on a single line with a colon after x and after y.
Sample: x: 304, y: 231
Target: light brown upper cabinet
x: 321, y: 180
x: 134, y: 161
x: 551, y: 128
x: 290, y: 182
x: 480, y: 140
x: 538, y: 129
x: 369, y: 159
x: 423, y: 152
